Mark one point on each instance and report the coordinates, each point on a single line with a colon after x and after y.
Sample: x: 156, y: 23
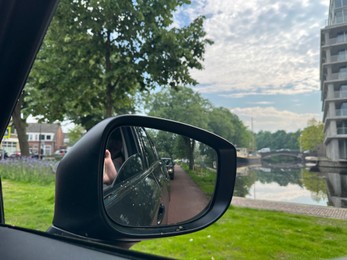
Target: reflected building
x: 333, y: 77
x: 337, y: 189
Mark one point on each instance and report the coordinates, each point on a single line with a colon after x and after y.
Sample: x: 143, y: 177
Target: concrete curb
x: 295, y: 208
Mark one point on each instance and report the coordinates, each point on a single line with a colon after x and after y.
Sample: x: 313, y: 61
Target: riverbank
x: 326, y: 163
x: 295, y: 208
x: 243, y: 161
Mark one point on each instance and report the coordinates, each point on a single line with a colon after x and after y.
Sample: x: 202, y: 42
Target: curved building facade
x: 333, y: 77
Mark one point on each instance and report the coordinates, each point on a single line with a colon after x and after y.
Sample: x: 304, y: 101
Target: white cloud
x: 272, y: 119
x: 264, y: 45
x: 289, y: 193
x: 261, y: 103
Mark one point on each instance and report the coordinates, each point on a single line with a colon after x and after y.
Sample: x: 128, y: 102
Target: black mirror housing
x: 79, y: 207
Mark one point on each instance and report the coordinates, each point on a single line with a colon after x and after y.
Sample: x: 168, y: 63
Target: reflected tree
x: 283, y: 178
x: 244, y: 182
x: 316, y: 184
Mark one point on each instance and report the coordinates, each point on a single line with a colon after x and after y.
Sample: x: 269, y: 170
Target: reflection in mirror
x: 152, y: 177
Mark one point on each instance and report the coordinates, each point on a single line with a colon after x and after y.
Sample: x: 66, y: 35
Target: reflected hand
x: 110, y: 172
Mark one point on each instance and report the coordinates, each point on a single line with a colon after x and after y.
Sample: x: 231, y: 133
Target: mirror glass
x: 152, y: 177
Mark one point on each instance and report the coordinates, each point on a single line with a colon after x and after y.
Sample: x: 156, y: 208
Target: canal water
x: 293, y: 183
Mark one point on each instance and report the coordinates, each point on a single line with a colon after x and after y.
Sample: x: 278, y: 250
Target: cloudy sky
x: 264, y: 63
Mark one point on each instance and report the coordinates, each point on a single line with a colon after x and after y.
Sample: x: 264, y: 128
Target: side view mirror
x: 140, y: 170
x: 114, y: 185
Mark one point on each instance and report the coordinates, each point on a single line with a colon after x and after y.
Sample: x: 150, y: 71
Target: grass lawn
x: 28, y: 205
x: 240, y: 234
x: 255, y: 234
x: 203, y: 177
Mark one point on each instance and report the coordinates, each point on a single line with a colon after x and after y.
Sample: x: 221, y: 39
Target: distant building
x: 45, y: 138
x: 333, y: 77
x: 10, y: 141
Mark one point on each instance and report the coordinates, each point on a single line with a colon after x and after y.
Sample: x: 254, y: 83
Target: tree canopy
x: 312, y: 136
x: 278, y: 140
x: 98, y: 54
x: 190, y: 107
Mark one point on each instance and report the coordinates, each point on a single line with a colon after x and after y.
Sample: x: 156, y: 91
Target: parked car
x: 34, y: 156
x: 3, y: 154
x: 60, y: 152
x: 264, y: 150
x: 170, y: 166
x: 15, y: 155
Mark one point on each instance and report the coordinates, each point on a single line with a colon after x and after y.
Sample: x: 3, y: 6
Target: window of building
x: 341, y: 128
x: 342, y: 110
x: 48, y: 137
x: 343, y: 73
x: 342, y: 54
x: 340, y: 3
x: 342, y: 91
x: 47, y: 150
x: 341, y: 37
x: 9, y: 147
x: 343, y: 149
x: 339, y: 16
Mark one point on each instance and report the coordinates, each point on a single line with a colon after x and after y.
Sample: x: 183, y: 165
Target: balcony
x: 341, y: 130
x: 338, y: 58
x: 336, y: 40
x: 336, y: 76
x: 340, y: 94
x: 341, y: 112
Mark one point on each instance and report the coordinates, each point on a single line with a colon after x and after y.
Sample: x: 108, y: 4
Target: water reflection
x: 293, y: 184
x: 337, y: 188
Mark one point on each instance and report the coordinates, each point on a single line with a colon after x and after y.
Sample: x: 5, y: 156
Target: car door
x: 139, y: 184
x: 159, y: 172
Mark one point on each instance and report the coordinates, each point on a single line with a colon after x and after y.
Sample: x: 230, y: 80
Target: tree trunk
x: 109, y: 86
x: 189, y: 147
x: 191, y: 154
x: 20, y: 125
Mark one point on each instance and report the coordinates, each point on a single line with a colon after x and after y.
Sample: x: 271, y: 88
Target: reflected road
x: 187, y: 200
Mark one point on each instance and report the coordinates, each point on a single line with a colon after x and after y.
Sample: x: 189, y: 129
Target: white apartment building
x: 333, y: 77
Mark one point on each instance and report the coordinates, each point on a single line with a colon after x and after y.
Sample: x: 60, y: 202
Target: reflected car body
x: 142, y: 183
x: 170, y: 167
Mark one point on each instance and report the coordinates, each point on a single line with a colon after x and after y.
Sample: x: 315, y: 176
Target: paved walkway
x: 318, y: 211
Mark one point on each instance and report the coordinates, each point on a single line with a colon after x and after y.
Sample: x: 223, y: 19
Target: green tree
x: 164, y: 142
x: 316, y: 184
x: 98, y: 54
x: 75, y: 134
x: 263, y: 139
x: 312, y: 136
x: 228, y: 125
x: 278, y: 140
x: 188, y: 106
x: 182, y: 105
